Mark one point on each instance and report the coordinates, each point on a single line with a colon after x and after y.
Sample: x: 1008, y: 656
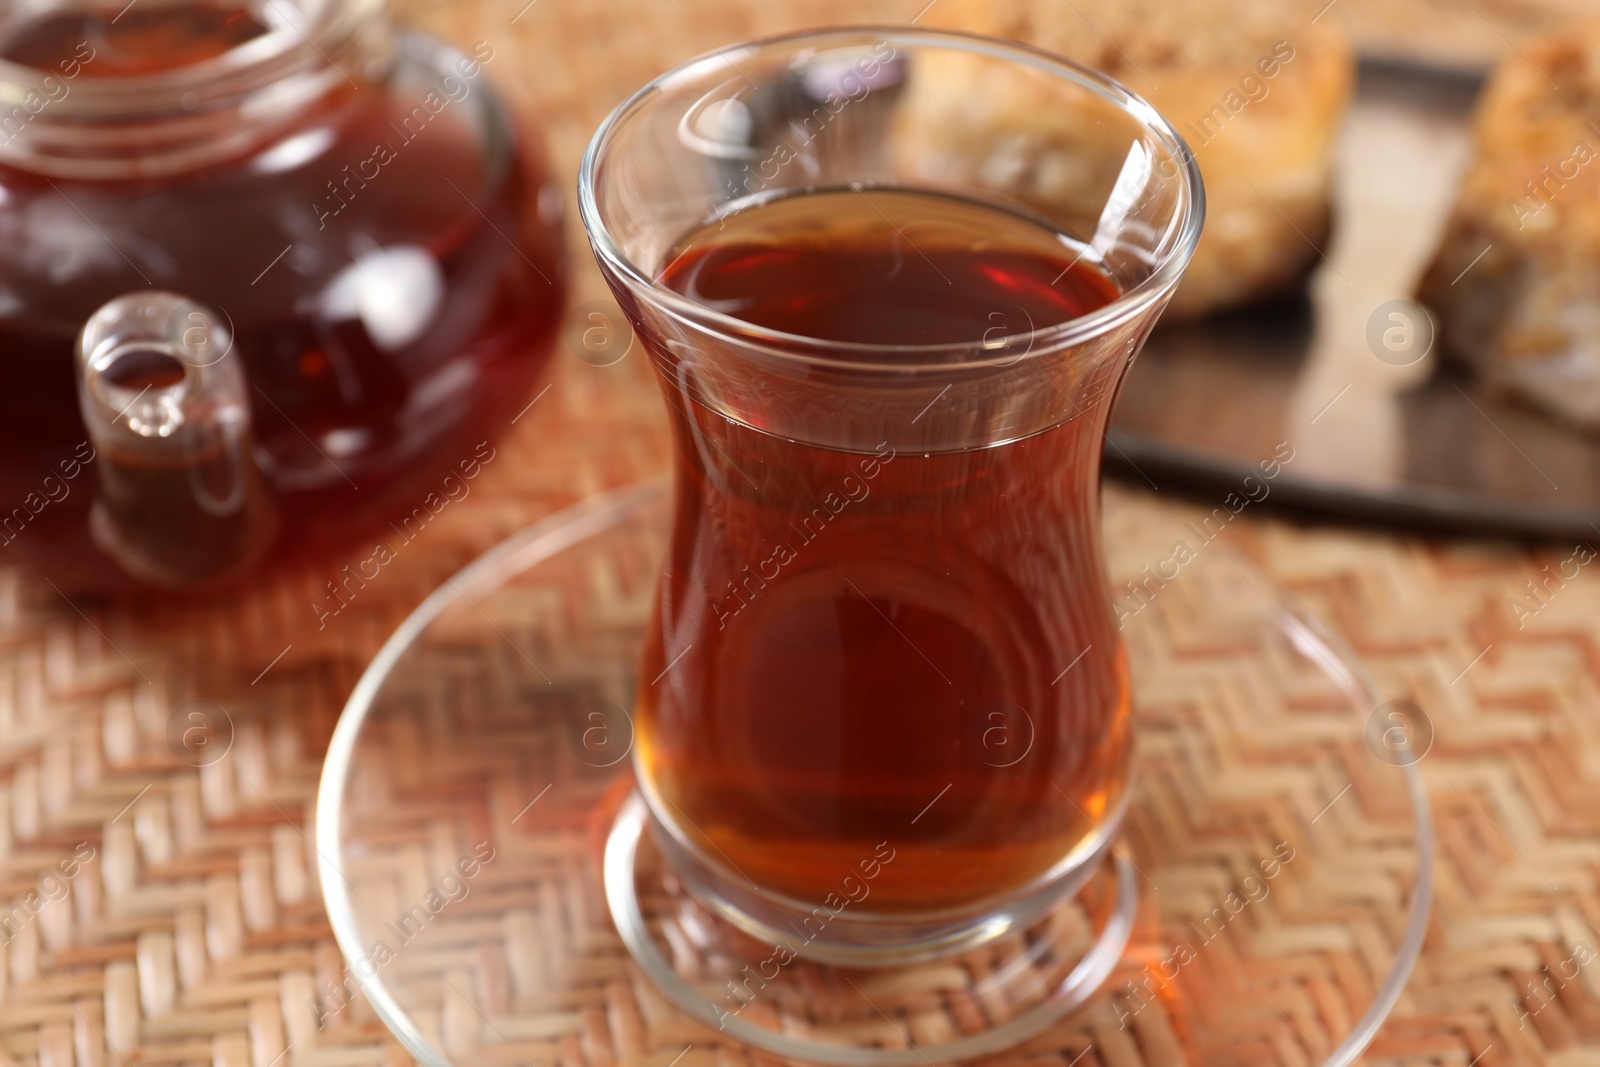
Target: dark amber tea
x: 877, y: 652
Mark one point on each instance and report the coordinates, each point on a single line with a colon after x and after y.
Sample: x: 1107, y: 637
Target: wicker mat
x: 188, y: 917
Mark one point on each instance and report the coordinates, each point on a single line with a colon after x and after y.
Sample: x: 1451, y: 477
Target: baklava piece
x: 1516, y: 281
x: 1256, y: 90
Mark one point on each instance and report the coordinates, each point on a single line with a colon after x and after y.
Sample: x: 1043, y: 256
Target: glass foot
x: 769, y: 996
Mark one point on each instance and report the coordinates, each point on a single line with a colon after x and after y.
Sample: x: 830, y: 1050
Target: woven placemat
x: 162, y: 913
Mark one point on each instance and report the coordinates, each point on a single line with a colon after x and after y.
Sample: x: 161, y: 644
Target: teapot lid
x: 96, y: 90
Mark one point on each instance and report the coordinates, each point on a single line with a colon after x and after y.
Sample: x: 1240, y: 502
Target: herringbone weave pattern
x: 159, y: 913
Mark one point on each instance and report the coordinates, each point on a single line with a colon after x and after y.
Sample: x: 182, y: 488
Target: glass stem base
x: 1077, y: 963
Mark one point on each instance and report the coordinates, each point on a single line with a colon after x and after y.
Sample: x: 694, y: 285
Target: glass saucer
x: 1266, y: 899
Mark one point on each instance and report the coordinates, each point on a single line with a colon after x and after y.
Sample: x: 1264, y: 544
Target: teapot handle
x: 165, y: 400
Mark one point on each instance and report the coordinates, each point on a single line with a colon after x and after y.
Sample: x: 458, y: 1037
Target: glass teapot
x: 269, y: 271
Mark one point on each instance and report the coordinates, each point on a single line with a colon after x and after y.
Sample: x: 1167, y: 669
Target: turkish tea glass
x: 883, y: 713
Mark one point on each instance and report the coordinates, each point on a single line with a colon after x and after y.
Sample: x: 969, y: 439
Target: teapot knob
x: 165, y: 399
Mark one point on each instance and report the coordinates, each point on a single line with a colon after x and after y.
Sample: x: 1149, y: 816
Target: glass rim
x: 817, y: 351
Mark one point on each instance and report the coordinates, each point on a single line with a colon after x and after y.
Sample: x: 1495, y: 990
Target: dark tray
x: 1422, y: 444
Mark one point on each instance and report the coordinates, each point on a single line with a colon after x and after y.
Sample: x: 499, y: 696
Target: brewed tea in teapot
x: 268, y: 270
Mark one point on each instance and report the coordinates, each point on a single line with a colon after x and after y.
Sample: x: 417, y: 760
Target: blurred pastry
x: 1516, y: 281
x: 1256, y: 90
x: 1450, y: 33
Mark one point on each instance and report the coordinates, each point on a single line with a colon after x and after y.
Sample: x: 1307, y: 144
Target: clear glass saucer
x: 1268, y: 892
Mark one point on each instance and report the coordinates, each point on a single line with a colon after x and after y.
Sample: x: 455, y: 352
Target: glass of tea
x: 889, y: 308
